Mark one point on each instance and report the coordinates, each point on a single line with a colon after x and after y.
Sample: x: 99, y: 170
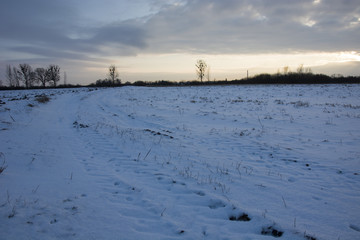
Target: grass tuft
x: 42, y: 98
x: 271, y: 231
x: 242, y: 218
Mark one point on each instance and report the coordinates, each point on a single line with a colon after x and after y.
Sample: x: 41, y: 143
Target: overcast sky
x: 159, y: 39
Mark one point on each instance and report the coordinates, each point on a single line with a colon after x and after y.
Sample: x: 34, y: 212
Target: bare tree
x: 10, y: 76
x: 113, y: 73
x: 308, y: 70
x: 13, y: 76
x: 26, y: 74
x: 200, y: 69
x: 300, y: 69
x: 41, y: 76
x: 53, y: 74
x: 16, y: 76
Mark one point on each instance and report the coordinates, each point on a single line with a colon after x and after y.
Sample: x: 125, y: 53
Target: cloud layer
x: 232, y: 26
x: 212, y: 26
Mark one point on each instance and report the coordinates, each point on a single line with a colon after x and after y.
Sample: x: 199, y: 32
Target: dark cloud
x: 50, y: 53
x: 47, y: 28
x: 232, y: 26
x: 128, y: 33
x: 35, y: 20
x: 227, y: 26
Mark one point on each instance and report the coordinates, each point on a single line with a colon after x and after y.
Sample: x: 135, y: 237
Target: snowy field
x: 231, y: 162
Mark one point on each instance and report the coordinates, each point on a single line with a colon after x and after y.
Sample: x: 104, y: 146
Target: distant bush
x: 106, y: 83
x: 141, y: 83
x: 297, y: 78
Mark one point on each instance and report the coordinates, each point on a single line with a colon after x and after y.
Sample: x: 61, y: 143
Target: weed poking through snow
x: 243, y: 218
x: 42, y: 98
x: 271, y: 231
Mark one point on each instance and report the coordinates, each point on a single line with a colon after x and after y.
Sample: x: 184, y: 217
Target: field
x: 221, y: 162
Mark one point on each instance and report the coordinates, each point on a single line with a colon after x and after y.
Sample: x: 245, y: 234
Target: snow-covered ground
x: 229, y: 162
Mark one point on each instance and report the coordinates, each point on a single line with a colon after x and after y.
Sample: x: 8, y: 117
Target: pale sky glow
x: 163, y: 39
x: 225, y: 66
x: 349, y: 56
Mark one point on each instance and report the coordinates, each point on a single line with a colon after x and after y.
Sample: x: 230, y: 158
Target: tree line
x: 25, y: 75
x: 291, y: 78
x: 303, y: 75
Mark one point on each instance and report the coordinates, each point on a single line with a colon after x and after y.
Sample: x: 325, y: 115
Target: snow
x: 180, y: 162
